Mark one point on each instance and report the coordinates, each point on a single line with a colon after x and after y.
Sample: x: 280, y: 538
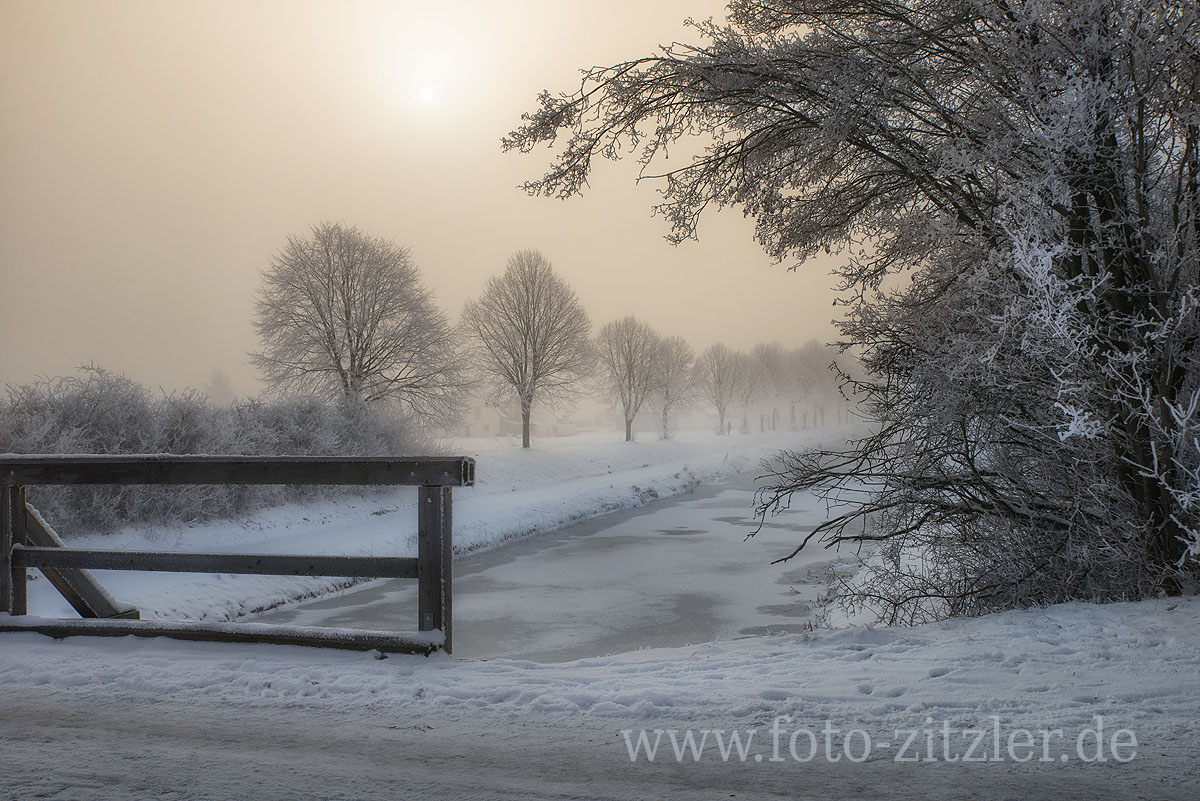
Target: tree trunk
x: 666, y: 432
x: 524, y: 426
x: 628, y: 429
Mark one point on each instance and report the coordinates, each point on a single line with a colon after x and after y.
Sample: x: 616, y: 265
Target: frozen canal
x: 673, y: 572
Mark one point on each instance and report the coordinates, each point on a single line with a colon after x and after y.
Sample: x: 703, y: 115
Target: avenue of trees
x: 344, y: 316
x: 640, y: 367
x: 1013, y: 189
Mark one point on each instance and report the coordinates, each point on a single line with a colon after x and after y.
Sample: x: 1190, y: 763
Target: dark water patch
x: 798, y: 609
x: 776, y: 628
x: 819, y: 573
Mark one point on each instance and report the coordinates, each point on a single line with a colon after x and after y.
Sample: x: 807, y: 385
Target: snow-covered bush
x: 103, y: 412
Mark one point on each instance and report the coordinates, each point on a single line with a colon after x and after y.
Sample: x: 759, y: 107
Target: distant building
x: 482, y: 420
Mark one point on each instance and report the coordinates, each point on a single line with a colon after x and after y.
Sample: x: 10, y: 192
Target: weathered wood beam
x: 6, y: 565
x: 18, y: 517
x: 171, y: 469
x: 254, y: 563
x: 80, y: 588
x: 435, y: 561
x: 352, y: 639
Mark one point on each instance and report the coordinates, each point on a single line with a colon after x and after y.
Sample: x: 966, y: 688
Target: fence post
x: 5, y: 546
x: 447, y: 495
x: 434, y: 561
x: 15, y: 499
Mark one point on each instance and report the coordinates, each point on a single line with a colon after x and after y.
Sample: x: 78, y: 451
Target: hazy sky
x: 154, y: 155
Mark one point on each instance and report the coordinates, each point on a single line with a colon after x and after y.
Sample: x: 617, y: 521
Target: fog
x: 154, y: 156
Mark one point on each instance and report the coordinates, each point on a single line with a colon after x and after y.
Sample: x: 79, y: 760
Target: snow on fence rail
x: 27, y: 541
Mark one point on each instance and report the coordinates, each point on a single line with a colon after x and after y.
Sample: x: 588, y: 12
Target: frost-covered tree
x: 530, y: 333
x: 628, y: 353
x: 717, y: 379
x: 1033, y: 166
x: 343, y: 315
x: 676, y: 381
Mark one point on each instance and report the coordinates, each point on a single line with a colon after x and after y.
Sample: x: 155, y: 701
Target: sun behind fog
x: 427, y: 94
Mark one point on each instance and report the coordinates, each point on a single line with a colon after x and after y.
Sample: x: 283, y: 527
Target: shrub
x: 103, y: 412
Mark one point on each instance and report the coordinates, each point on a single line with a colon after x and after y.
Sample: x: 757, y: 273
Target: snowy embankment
x: 518, y: 493
x: 318, y: 718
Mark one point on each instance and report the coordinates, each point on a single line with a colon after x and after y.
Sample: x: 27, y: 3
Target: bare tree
x: 345, y: 315
x: 816, y: 372
x: 628, y: 351
x: 219, y: 389
x: 780, y: 385
x: 676, y: 383
x: 531, y: 332
x: 718, y: 376
x: 751, y: 385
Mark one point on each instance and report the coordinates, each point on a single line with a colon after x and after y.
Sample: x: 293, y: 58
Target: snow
x: 125, y: 718
x: 130, y: 718
x: 518, y: 493
x: 680, y: 570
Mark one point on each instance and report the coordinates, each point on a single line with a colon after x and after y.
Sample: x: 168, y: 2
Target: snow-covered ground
x: 1011, y: 706
x: 518, y: 493
x: 95, y: 718
x: 675, y: 571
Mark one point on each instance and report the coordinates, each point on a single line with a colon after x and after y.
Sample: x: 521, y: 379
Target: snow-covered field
x: 518, y: 493
x: 152, y: 719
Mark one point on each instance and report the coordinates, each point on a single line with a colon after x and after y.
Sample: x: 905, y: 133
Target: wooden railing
x: 27, y: 541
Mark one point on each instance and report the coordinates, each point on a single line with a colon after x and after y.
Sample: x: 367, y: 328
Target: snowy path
x: 672, y: 572
x: 102, y: 720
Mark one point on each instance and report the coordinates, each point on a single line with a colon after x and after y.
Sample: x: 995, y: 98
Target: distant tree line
x: 345, y: 315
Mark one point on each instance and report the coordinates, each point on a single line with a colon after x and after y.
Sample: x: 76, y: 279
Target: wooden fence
x: 27, y: 541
